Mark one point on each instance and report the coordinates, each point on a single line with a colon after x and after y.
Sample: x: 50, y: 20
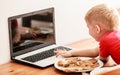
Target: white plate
x: 82, y: 58
x: 99, y: 71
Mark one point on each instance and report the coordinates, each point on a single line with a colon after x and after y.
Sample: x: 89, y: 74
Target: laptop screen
x: 31, y: 31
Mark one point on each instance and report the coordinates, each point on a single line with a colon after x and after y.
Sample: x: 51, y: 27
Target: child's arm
x: 84, y: 52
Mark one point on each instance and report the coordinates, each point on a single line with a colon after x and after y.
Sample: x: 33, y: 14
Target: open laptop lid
x: 35, y: 26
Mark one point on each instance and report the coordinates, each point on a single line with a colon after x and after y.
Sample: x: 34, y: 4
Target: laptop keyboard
x: 44, y: 54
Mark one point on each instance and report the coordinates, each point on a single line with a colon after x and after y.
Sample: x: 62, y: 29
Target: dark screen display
x: 32, y: 29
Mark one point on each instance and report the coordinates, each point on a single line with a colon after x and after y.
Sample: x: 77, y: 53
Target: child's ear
x: 98, y: 29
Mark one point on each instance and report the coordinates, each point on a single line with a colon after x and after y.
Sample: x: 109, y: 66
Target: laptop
x: 32, y: 38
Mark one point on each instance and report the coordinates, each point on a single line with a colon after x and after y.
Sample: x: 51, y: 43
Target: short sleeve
x: 104, y: 51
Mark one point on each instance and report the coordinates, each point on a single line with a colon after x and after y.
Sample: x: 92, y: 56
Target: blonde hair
x: 107, y: 16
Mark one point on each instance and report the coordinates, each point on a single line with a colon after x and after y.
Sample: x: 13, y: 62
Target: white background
x: 69, y: 19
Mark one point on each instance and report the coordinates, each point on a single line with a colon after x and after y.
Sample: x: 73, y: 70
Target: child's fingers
x: 58, y: 52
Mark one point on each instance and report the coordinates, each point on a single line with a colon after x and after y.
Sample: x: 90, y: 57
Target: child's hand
x: 63, y: 53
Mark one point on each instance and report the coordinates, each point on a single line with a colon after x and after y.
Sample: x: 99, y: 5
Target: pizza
x: 76, y: 64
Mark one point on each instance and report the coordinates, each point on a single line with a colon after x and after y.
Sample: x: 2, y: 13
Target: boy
x: 102, y: 22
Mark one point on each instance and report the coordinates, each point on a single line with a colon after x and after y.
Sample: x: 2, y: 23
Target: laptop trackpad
x: 46, y: 62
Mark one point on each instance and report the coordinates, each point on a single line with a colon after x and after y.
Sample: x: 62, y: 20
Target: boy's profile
x: 103, y: 22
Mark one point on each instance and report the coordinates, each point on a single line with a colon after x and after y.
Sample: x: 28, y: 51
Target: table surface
x: 13, y: 68
x: 113, y: 72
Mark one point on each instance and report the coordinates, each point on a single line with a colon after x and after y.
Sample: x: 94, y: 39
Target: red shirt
x: 110, y: 45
